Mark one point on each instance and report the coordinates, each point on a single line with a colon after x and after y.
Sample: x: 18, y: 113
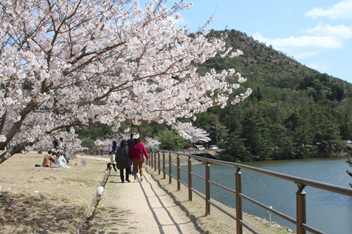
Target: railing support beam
x: 189, y: 179
x: 151, y: 159
x: 170, y: 169
x: 164, y: 172
x: 178, y: 173
x: 155, y: 162
x: 238, y: 201
x: 207, y: 189
x: 159, y: 163
x: 301, y: 208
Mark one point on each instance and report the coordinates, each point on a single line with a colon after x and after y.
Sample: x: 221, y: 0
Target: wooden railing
x: 158, y: 160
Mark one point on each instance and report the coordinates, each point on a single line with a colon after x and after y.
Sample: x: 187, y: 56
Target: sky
x: 316, y: 33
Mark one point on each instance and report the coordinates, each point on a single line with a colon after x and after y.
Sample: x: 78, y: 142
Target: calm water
x: 326, y: 211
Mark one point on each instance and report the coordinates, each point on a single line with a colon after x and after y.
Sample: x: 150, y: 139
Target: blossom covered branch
x: 79, y: 62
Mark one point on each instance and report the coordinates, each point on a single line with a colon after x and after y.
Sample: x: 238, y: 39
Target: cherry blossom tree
x: 70, y: 138
x: 151, y: 143
x: 105, y: 144
x: 74, y: 63
x: 191, y: 133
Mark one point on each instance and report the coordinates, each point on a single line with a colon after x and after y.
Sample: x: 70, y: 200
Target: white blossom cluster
x: 151, y: 143
x: 105, y: 144
x: 70, y: 63
x: 191, y: 133
x: 71, y: 142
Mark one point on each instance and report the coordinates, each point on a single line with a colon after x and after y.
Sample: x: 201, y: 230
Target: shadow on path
x: 153, y: 209
x: 141, y: 207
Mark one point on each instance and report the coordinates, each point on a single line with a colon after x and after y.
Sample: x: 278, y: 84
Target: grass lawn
x: 48, y: 200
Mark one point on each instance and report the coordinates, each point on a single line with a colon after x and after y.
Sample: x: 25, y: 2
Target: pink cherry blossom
x: 65, y: 65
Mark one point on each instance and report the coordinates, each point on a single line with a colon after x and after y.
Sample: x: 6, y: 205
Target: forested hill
x: 264, y: 64
x: 294, y: 111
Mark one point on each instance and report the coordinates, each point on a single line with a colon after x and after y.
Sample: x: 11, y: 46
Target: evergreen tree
x: 282, y: 144
x: 253, y: 132
x: 212, y: 124
x: 235, y: 150
x: 170, y: 140
x: 327, y: 135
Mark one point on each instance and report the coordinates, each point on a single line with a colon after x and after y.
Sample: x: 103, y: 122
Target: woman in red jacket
x: 136, y: 153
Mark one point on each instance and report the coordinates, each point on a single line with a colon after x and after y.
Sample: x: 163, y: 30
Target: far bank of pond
x: 326, y: 211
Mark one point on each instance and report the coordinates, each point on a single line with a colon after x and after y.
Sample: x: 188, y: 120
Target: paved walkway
x: 141, y: 207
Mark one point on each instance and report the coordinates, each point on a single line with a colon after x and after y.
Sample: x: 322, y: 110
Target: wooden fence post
x: 300, y: 208
x: 238, y: 201
x: 207, y: 188
x: 178, y: 173
x: 151, y: 160
x: 189, y: 179
x: 164, y: 173
x: 155, y: 162
x: 170, y: 169
x: 159, y: 163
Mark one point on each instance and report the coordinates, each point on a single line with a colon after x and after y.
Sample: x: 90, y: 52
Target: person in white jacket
x: 60, y: 160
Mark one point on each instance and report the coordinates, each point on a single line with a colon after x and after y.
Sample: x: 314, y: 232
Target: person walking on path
x: 123, y: 161
x: 137, y: 151
x: 130, y: 142
x: 114, y: 145
x: 112, y: 162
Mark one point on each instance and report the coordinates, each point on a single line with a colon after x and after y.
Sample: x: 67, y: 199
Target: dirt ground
x: 141, y: 207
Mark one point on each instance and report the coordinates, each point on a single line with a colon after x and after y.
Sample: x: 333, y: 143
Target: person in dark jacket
x: 123, y: 161
x: 114, y: 145
x: 130, y: 142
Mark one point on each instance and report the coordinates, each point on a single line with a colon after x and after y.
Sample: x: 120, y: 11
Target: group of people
x: 59, y: 145
x: 55, y: 159
x: 130, y: 154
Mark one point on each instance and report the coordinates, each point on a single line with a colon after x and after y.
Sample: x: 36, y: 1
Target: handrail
x: 307, y: 182
x: 301, y: 183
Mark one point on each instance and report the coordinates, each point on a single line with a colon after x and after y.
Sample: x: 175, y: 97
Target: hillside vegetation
x: 294, y: 111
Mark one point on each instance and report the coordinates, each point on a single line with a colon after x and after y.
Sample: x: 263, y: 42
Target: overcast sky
x: 316, y: 33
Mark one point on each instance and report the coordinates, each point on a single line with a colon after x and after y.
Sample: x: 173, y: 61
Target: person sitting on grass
x: 60, y: 160
x: 49, y: 159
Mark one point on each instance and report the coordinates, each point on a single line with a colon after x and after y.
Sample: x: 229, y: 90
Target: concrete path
x: 141, y: 207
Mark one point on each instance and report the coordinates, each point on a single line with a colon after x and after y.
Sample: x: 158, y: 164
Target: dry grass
x: 45, y: 200
x: 217, y: 221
